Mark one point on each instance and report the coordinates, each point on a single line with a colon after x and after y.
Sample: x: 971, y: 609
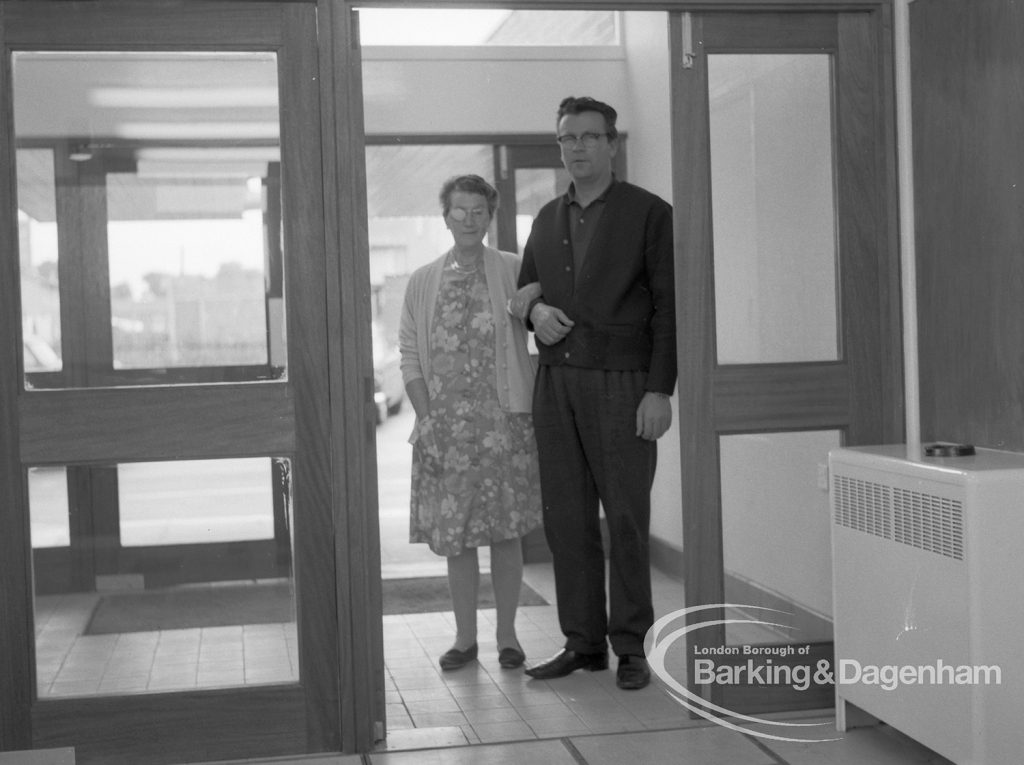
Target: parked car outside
x: 388, y: 387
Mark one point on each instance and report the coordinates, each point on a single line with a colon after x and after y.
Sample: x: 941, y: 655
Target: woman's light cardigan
x: 515, y: 368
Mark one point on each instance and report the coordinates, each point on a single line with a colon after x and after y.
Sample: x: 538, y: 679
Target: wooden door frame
x: 341, y: 86
x: 353, y: 414
x: 338, y: 596
x: 694, y: 409
x: 715, y: 398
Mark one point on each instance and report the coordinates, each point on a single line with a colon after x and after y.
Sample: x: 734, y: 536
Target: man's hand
x: 550, y: 324
x: 519, y: 303
x: 653, y: 416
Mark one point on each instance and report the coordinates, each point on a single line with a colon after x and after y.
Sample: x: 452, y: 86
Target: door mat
x: 430, y: 594
x: 179, y: 608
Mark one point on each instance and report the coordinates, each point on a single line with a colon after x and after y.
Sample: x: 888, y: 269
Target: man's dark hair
x: 470, y: 184
x: 578, y: 105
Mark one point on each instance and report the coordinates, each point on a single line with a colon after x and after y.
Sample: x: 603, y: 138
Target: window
x: 456, y: 27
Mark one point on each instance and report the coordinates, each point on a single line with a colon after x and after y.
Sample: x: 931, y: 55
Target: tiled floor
x: 478, y: 715
x: 70, y: 663
x: 483, y: 715
x: 703, y: 745
x: 692, y: 746
x: 488, y: 704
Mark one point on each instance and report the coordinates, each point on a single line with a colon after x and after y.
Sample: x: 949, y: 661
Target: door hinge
x: 687, y: 51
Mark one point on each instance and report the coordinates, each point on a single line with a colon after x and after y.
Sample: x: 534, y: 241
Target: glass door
x: 175, y: 527
x: 788, y: 325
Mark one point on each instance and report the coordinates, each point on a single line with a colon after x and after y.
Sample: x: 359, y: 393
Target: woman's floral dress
x: 474, y: 470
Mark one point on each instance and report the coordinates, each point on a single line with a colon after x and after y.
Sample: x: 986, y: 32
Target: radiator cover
x: 928, y: 566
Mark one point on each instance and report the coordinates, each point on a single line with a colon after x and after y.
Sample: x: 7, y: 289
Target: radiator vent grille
x: 925, y: 521
x: 863, y: 506
x: 929, y: 523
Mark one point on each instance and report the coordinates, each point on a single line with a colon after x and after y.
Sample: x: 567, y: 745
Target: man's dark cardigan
x: 623, y: 302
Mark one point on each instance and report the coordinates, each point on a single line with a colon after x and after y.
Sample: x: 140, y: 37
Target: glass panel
x: 37, y: 246
x: 180, y: 577
x: 48, y: 504
x: 774, y: 208
x: 157, y: 508
x: 167, y: 208
x: 535, y: 187
x: 187, y: 291
x: 776, y: 532
x: 429, y: 26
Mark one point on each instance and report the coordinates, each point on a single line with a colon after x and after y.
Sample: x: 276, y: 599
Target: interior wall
x: 648, y: 108
x: 967, y: 65
x: 474, y: 91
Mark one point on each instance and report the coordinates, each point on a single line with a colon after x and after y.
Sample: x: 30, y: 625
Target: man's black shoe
x: 633, y: 673
x: 566, y: 662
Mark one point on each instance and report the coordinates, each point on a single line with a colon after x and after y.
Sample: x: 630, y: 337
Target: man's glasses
x: 461, y: 213
x: 589, y: 140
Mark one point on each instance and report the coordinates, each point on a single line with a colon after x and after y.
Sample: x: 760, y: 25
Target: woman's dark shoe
x: 510, y: 658
x: 453, y: 658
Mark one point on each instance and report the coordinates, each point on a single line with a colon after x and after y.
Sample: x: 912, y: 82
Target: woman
x: 469, y: 377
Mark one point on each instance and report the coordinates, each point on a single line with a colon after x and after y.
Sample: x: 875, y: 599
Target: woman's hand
x: 426, y: 438
x: 519, y: 304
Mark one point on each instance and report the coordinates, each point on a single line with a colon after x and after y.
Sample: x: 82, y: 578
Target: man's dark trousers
x: 585, y: 421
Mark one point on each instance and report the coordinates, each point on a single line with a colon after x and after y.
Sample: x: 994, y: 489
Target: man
x: 605, y: 324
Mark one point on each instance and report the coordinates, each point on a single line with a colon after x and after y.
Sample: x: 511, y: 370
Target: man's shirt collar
x: 570, y: 193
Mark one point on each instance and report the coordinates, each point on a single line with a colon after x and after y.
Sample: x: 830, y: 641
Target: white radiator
x: 928, y: 573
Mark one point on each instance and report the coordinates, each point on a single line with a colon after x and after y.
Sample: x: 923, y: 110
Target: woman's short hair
x: 470, y: 184
x: 580, y: 104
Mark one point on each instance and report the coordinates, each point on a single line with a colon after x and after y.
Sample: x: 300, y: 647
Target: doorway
x: 481, y: 703
x: 788, y: 406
